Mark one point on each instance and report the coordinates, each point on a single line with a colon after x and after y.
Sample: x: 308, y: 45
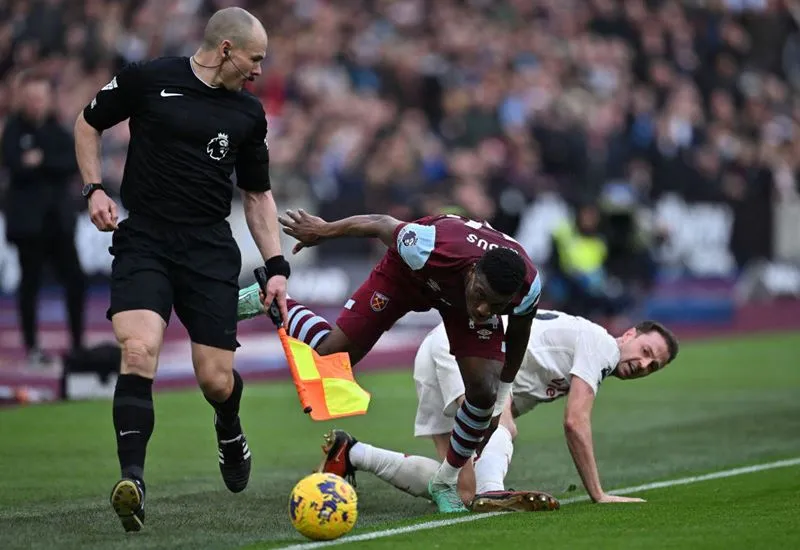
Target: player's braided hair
x: 504, y: 270
x: 646, y: 327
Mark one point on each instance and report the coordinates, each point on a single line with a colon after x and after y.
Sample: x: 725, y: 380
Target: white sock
x: 492, y: 466
x: 446, y: 474
x: 408, y: 473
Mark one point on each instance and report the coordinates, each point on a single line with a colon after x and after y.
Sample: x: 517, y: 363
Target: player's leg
x: 141, y: 301
x: 206, y: 295
x: 370, y: 311
x: 491, y: 468
x: 440, y: 393
x: 466, y: 476
x: 344, y: 455
x: 490, y: 473
x: 479, y: 353
x: 471, y: 421
x: 438, y: 384
x: 304, y: 325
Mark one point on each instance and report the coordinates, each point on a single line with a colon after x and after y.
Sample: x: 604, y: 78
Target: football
x: 323, y: 506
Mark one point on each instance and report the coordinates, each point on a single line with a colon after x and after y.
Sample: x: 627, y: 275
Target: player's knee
x: 139, y: 357
x: 482, y: 392
x: 482, y: 398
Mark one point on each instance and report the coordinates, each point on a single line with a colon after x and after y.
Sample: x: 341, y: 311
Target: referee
x: 191, y: 126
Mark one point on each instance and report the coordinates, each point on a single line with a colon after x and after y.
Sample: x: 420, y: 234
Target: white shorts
x: 439, y: 385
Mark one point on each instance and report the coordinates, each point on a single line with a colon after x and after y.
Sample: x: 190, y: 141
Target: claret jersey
x: 438, y: 251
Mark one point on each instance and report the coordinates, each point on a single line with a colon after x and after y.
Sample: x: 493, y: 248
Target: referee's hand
x: 102, y: 211
x: 276, y: 290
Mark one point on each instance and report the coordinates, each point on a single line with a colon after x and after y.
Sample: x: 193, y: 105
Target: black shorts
x: 158, y: 265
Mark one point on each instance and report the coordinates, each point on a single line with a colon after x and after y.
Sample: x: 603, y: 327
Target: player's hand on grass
x: 304, y: 227
x: 103, y: 211
x: 607, y: 499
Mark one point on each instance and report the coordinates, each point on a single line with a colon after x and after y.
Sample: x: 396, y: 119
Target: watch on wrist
x: 90, y: 188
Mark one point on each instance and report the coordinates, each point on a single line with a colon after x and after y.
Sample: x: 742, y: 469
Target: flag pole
x: 274, y: 313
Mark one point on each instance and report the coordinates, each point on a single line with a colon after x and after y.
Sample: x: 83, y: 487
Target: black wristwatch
x: 90, y: 188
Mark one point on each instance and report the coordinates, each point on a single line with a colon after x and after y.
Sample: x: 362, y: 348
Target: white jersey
x: 562, y: 346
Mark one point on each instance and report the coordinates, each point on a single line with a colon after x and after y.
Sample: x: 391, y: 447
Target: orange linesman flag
x: 325, y: 384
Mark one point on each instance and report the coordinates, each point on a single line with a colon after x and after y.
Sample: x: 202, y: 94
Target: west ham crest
x: 378, y: 302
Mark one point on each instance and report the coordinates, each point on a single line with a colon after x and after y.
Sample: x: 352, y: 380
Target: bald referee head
x: 234, y: 45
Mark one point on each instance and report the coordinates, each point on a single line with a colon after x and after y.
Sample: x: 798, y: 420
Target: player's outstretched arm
x: 310, y: 230
x: 578, y: 430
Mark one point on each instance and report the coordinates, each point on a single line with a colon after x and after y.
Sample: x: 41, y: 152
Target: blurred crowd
x: 473, y: 106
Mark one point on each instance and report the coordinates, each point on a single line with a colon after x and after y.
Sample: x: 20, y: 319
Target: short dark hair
x: 646, y: 327
x: 504, y: 270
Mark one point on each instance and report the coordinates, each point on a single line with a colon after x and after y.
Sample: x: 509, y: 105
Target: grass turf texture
x: 723, y: 404
x: 749, y: 511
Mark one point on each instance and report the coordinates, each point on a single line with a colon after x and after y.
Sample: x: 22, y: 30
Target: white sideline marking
x: 694, y: 479
x: 464, y: 519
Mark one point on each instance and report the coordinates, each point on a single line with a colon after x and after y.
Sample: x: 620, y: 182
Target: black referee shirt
x: 186, y: 140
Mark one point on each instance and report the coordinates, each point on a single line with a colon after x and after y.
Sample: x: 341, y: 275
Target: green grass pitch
x: 723, y: 404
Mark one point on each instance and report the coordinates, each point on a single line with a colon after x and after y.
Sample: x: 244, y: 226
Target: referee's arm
x: 261, y: 213
x: 115, y: 102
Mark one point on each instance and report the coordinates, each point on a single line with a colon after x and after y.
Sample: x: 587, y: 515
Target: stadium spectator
x: 40, y: 209
x: 372, y: 103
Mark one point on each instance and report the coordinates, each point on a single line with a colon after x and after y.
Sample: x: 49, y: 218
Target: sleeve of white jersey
x: 596, y: 355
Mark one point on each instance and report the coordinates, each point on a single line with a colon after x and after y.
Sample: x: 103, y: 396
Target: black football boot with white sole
x: 234, y: 457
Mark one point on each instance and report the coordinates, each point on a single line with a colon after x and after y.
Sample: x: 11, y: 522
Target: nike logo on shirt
x: 164, y: 93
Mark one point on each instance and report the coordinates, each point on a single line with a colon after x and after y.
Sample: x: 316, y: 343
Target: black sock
x: 228, y: 410
x: 133, y: 422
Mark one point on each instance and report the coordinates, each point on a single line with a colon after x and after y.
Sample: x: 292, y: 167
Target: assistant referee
x: 191, y: 126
